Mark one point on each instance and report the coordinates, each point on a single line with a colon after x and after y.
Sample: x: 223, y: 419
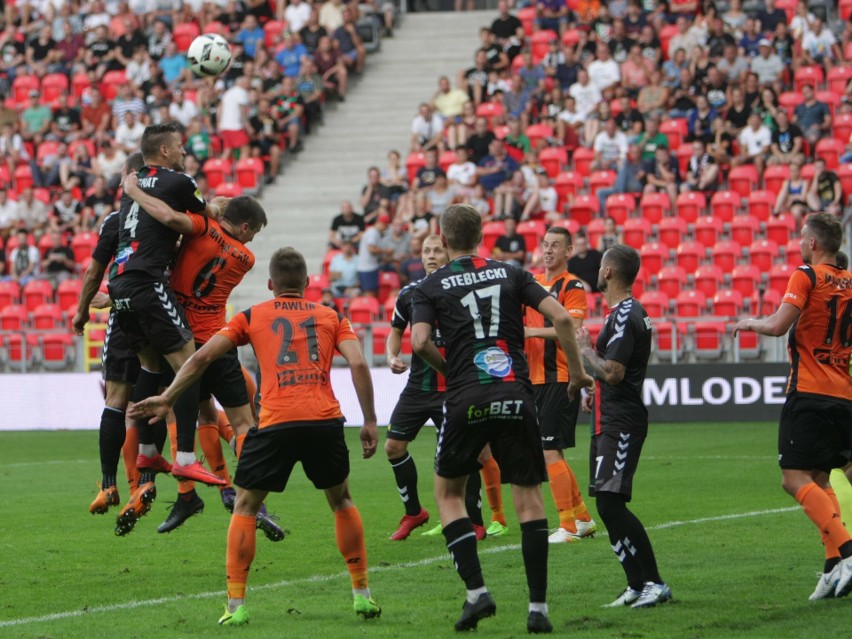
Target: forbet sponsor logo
x: 502, y: 410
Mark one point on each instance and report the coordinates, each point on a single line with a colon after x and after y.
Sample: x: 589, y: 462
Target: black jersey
x: 625, y: 338
x: 108, y: 238
x: 421, y: 376
x: 145, y: 246
x: 478, y: 305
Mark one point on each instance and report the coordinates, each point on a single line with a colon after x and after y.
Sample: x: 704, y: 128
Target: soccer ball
x: 209, y: 55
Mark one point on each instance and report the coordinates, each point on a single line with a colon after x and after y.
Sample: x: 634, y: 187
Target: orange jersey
x: 820, y: 342
x: 294, y: 341
x: 546, y: 357
x: 209, y: 266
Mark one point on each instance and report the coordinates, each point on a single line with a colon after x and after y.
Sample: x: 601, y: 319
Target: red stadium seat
x: 760, y: 204
x: 789, y: 100
x: 316, y: 283
x: 228, y: 189
x: 744, y: 229
x: 217, y: 170
x: 594, y: 229
x: 272, y: 33
x: 249, y: 173
x: 831, y: 100
x: 21, y: 87
x: 690, y: 303
x: 830, y: 150
x: 52, y: 86
x: 666, y: 34
x: 491, y: 232
x: 780, y: 229
x: 655, y: 303
x: 640, y: 283
x: 779, y: 275
x: 68, y: 292
x: 675, y: 130
x: 45, y: 243
x: 47, y: 317
x: 619, y: 207
x: 808, y: 171
x: 23, y: 178
x: 683, y: 155
x: 726, y: 254
x: 745, y: 278
x: 728, y: 303
x: 527, y: 17
x: 748, y: 344
x: 380, y: 332
x: 553, y: 159
x: 636, y: 231
x: 446, y: 159
x: 841, y: 127
x: 671, y: 280
x: 10, y: 293
x: 110, y: 83
x: 492, y: 111
x: 793, y: 253
x: 538, y: 133
x: 762, y: 253
x: 83, y: 245
x: 216, y: 27
x: 80, y: 83
x: 13, y: 317
x: 583, y: 158
x: 326, y: 260
x: 601, y: 180
x: 709, y: 339
x: 767, y: 303
x: 532, y: 232
x: 845, y: 9
x: 19, y: 353
x: 708, y: 230
x: 669, y: 338
x: 690, y: 254
x: 672, y: 231
x: 583, y: 208
x: 539, y: 43
x: 413, y: 163
x: 653, y: 206
x: 812, y: 76
x: 690, y: 206
x: 388, y: 284
x: 654, y: 256
x: 743, y: 179
x: 36, y: 293
x: 363, y: 310
x: 709, y: 279
x: 389, y: 306
x: 724, y: 205
x: 789, y: 7
x: 774, y: 176
x: 183, y: 35
x: 57, y: 350
x: 567, y: 185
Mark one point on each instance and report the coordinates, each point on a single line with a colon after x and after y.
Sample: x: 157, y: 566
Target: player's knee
x: 117, y: 395
x: 609, y: 504
x: 395, y: 448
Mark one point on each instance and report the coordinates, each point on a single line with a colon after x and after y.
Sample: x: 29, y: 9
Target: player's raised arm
x: 351, y: 351
x: 158, y: 209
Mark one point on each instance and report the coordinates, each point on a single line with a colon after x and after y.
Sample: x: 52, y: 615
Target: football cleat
x: 586, y: 528
x: 107, y: 497
x: 538, y: 623
x: 496, y: 529
x: 826, y: 585
x: 136, y: 508
x: 480, y: 531
x: 408, y: 523
x: 181, y: 510
x: 433, y: 532
x: 239, y: 617
x: 844, y: 579
x: 366, y: 608
x: 229, y: 496
x: 266, y: 523
x: 196, y: 472
x: 483, y: 607
x: 155, y: 464
x: 653, y: 594
x: 562, y: 536
x: 626, y: 598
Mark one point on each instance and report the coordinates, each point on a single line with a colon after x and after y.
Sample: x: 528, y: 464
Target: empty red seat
x: 844, y: 172
x: 743, y: 179
x: 689, y: 255
x: 830, y: 150
x: 671, y: 280
x: 583, y: 208
x: 760, y: 204
x: 636, y: 231
x: 388, y: 283
x: 316, y: 283
x: 655, y: 303
x: 217, y: 170
x: 594, y: 229
x: 272, y: 31
x: 363, y: 310
x: 583, y: 158
x: 708, y: 229
x: 567, y: 185
x: 35, y: 293
x: 23, y: 178
x: 491, y: 111
x: 47, y: 317
x: 724, y: 205
x: 708, y: 339
x: 780, y: 229
x: 767, y: 303
x: 539, y: 43
x: 789, y: 100
x: 10, y: 293
x: 52, y: 86
x: 83, y: 245
x: 569, y: 225
x: 491, y: 232
x: 670, y: 339
x: 779, y: 276
x: 690, y: 303
x: 841, y: 127
x: 745, y: 278
x: 728, y: 303
x: 690, y: 206
x: 676, y: 130
x: 672, y: 231
x: 228, y: 189
x: 653, y: 206
x: 654, y: 256
x: 57, y: 350
x: 619, y: 206
x: 19, y: 352
x: 726, y: 254
x: 601, y: 180
x: 447, y: 159
x: 793, y: 252
x: 838, y: 78
x: 744, y: 229
x: 553, y: 159
x: 183, y: 34
x: 249, y: 173
x: 774, y: 176
x: 13, y: 317
x: 709, y: 279
x: 640, y: 283
x: 110, y: 83
x: 762, y: 253
x: 538, y: 133
x: 811, y: 75
x: 21, y: 87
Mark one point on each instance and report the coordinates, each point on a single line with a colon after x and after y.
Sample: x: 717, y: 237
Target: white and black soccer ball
x: 209, y: 55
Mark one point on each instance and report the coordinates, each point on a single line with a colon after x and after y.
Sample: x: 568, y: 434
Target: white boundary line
x: 130, y: 605
x: 50, y: 462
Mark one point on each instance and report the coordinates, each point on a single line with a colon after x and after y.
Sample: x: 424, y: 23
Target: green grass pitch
x: 740, y: 556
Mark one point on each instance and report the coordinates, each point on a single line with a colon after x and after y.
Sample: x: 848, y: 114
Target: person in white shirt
x: 128, y: 135
x: 182, y: 109
x: 610, y: 147
x: 139, y: 68
x: 755, y: 141
x: 296, y: 14
x: 32, y: 213
x: 233, y: 117
x: 371, y: 256
x: 24, y: 261
x: 462, y: 173
x: 586, y: 95
x: 542, y: 200
x: 343, y: 272
x: 8, y: 213
x: 604, y: 71
x: 427, y: 129
x: 819, y: 46
x: 767, y: 65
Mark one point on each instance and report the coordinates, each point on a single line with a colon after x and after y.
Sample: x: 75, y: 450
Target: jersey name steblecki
x: 467, y: 279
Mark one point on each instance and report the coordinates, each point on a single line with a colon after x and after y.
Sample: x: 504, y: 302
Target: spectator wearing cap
x: 496, y: 167
x: 343, y: 272
x: 371, y: 256
x: 767, y: 65
x: 290, y: 55
x: 813, y: 117
x: 35, y: 119
x: 251, y: 34
x: 819, y: 46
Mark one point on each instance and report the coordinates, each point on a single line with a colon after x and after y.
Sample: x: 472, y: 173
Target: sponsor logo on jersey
x: 123, y: 255
x: 122, y: 304
x: 507, y: 409
x: 494, y: 362
x: 305, y: 376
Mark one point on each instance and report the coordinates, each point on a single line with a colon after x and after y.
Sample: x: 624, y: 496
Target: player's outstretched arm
x: 775, y: 325
x: 564, y: 326
x: 158, y: 407
x: 92, y: 279
x: 392, y: 347
x: 351, y: 351
x: 424, y: 347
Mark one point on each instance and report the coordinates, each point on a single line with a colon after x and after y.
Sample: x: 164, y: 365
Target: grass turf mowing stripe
x: 129, y: 605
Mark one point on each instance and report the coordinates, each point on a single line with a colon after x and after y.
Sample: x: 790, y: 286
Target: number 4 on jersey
x: 132, y: 220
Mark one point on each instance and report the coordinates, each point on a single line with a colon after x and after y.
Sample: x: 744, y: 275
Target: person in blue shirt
x: 496, y: 167
x: 173, y: 64
x: 290, y: 56
x: 251, y: 35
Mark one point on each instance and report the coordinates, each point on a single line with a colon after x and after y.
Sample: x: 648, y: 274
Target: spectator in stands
x: 542, y: 201
x: 343, y: 271
x: 349, y: 43
x: 371, y: 256
x: 738, y: 113
x: 35, y: 119
x: 251, y: 34
x: 428, y: 174
x: 42, y: 55
x: 532, y: 75
x: 347, y: 226
x: 570, y: 122
x: 441, y: 195
x: 174, y: 65
x: 99, y: 202
x: 427, y: 129
x: 411, y: 268
x: 128, y: 135
x: 233, y: 118
x: 604, y: 71
x: 125, y: 101
x: 683, y: 96
x: 8, y: 214
x: 610, y: 147
x: 331, y: 15
x: 12, y: 148
x: 636, y: 69
x: 663, y: 174
x: 310, y: 86
x: 129, y: 42
x: 422, y: 223
x: 462, y: 173
x: 812, y: 117
x: 610, y: 237
x: 182, y: 108
x: 96, y: 116
x: 479, y: 201
x: 479, y: 142
x: 787, y: 140
x: 58, y: 263
x: 312, y: 32
x: 819, y: 46
x: 634, y: 20
x: 686, y: 39
x: 518, y: 101
x: 330, y: 65
x: 449, y: 104
x: 397, y: 243
x: 767, y: 65
x: 67, y: 213
x: 496, y: 167
x: 47, y: 171
x: 159, y: 37
x: 290, y: 55
x: 702, y: 172
x: 475, y: 79
x: 327, y: 300
x: 755, y: 142
x: 585, y: 263
x: 825, y: 192
x: 66, y: 125
x: 631, y: 177
x: 394, y: 176
x: 508, y: 30
x: 510, y: 197
x: 100, y: 54
x: 793, y: 194
x: 297, y: 15
x: 108, y: 164
x: 552, y: 15
x: 596, y: 122
x: 24, y: 260
x: 770, y: 16
x: 33, y: 214
x: 511, y: 247
x: 12, y: 52
x: 198, y: 142
x: 652, y: 139
x: 374, y: 193
x: 516, y: 138
x: 700, y: 119
x: 749, y: 43
x: 78, y: 170
x: 586, y: 94
x: 653, y: 98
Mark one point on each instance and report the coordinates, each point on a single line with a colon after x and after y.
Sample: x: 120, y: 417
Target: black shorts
x: 120, y: 363
x: 815, y: 433
x: 613, y: 459
x: 224, y: 380
x: 412, y: 411
x: 502, y: 414
x: 557, y: 416
x: 269, y: 455
x: 149, y: 313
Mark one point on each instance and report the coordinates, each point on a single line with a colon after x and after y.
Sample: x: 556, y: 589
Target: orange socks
x: 241, y: 549
x: 225, y: 430
x: 208, y: 436
x: 493, y: 490
x: 129, y: 451
x: 581, y: 513
x: 821, y: 508
x: 562, y: 485
x: 349, y: 533
x: 240, y: 440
